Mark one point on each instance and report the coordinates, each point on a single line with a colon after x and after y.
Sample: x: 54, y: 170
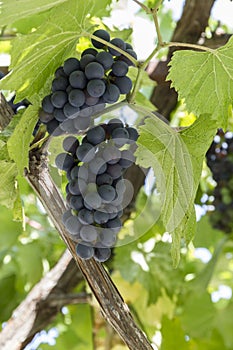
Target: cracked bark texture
x: 6, y: 112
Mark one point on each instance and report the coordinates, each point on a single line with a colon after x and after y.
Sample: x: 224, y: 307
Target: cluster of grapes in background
x: 96, y: 192
x: 220, y: 161
x: 15, y: 106
x: 82, y: 87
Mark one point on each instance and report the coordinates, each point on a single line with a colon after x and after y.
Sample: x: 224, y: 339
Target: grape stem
x: 39, y: 143
x: 191, y: 46
x: 157, y: 27
x: 160, y: 44
x: 144, y: 7
x: 132, y: 59
x: 111, y: 108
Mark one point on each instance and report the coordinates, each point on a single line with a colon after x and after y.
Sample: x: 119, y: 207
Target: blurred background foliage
x: 187, y: 308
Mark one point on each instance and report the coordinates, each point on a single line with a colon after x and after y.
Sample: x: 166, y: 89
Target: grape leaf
x: 205, y: 80
x: 176, y: 158
x: 206, y: 236
x: 215, y: 342
x: 8, y: 13
x: 8, y: 193
x: 47, y: 47
x: 223, y: 323
x: 29, y: 24
x: 173, y: 336
x: 18, y: 143
x: 197, y: 317
x: 7, y: 291
x: 202, y: 280
x: 10, y: 230
x: 27, y: 253
x: 79, y: 331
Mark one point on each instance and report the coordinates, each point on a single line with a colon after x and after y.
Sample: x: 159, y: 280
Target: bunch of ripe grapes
x: 96, y: 191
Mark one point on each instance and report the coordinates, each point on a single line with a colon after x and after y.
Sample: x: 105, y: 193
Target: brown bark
x: 6, y: 112
x: 194, y: 20
x: 42, y: 304
x: 189, y: 28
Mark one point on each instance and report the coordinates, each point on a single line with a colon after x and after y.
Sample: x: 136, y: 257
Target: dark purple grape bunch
x: 82, y: 87
x: 96, y: 191
x: 220, y: 161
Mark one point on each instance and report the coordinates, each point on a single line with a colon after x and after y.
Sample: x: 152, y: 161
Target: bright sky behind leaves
x: 143, y: 30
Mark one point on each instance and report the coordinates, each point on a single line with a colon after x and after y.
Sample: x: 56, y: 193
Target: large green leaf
x: 30, y: 262
x: 9, y: 229
x: 176, y: 158
x: 18, y: 143
x: 206, y: 236
x: 173, y: 336
x: 197, y: 317
x: 11, y: 10
x: 216, y: 342
x: 8, y: 299
x: 46, y: 48
x: 205, y: 80
x: 224, y: 324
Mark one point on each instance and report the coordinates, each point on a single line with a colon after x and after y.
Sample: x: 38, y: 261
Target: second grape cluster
x: 220, y: 161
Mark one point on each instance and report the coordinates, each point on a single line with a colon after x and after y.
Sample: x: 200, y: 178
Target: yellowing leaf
x: 27, y: 8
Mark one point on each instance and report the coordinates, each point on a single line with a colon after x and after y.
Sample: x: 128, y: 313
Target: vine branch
x: 6, y: 112
x: 144, y: 7
x: 191, y: 46
x: 157, y: 26
x: 42, y: 304
x: 112, y: 305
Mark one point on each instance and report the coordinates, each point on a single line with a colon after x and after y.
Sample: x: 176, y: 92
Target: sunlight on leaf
x: 177, y: 163
x: 193, y: 74
x: 18, y: 147
x: 47, y: 48
x: 8, y: 13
